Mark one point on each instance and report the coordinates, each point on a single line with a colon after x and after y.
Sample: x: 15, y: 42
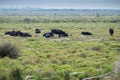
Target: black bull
x: 37, y: 31
x: 48, y: 35
x: 18, y: 33
x: 111, y: 31
x: 86, y: 33
x: 60, y: 33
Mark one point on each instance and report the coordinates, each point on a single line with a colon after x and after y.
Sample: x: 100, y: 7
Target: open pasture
x: 55, y: 58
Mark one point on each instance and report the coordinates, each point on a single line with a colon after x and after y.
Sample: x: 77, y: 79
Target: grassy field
x: 55, y: 58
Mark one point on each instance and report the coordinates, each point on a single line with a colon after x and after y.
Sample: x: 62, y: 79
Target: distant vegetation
x: 58, y: 12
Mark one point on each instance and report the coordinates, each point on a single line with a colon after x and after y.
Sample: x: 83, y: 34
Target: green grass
x: 52, y: 59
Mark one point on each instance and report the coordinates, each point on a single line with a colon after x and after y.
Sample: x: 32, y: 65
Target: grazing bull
x: 48, y: 35
x: 86, y: 33
x: 111, y: 31
x: 60, y: 33
x: 37, y: 31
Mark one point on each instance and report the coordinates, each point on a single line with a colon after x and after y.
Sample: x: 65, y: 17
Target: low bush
x: 13, y: 74
x: 16, y: 74
x: 66, y: 75
x: 3, y: 77
x: 10, y: 50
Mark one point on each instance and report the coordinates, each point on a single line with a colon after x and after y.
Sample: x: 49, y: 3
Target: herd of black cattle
x: 58, y: 32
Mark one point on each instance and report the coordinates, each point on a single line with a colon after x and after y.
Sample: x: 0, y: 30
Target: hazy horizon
x: 61, y: 4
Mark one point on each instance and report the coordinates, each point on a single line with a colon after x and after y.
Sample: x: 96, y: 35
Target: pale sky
x: 60, y: 4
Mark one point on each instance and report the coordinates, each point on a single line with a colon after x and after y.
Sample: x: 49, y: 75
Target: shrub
x: 16, y: 74
x: 27, y: 20
x: 3, y: 77
x: 8, y: 49
x: 67, y: 75
x: 13, y: 74
x: 38, y: 76
x: 84, y: 55
x: 97, y: 48
x: 97, y: 15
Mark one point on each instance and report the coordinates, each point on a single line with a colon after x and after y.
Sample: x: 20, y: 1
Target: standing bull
x: 111, y: 31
